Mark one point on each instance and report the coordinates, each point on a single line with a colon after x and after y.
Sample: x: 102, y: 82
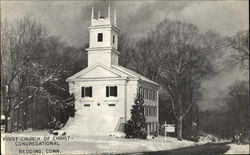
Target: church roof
x: 107, y: 72
x: 143, y: 78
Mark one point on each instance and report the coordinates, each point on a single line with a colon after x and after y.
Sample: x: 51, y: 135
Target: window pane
x: 88, y: 91
x: 147, y: 94
x: 100, y: 37
x: 113, y: 91
x: 113, y: 39
x: 152, y: 95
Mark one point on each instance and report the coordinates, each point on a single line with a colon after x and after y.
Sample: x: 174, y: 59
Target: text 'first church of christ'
x: 104, y: 91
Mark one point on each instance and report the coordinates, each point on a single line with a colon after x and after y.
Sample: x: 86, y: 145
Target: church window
x: 86, y: 91
x: 99, y: 37
x: 154, y: 95
x: 147, y: 94
x: 146, y: 110
x: 144, y: 93
x: 140, y: 90
x: 111, y: 91
x: 150, y: 96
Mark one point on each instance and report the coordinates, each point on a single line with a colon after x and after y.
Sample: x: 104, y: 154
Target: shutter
x: 90, y: 91
x: 107, y: 91
x: 82, y: 91
x: 115, y: 88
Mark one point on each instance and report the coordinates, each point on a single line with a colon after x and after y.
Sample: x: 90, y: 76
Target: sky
x: 70, y: 19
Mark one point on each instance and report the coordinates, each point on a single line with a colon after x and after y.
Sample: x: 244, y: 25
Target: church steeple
x: 115, y: 17
x: 103, y: 39
x: 92, y: 14
x: 109, y: 16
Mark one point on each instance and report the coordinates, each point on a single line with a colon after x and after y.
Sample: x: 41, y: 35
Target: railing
x: 120, y: 125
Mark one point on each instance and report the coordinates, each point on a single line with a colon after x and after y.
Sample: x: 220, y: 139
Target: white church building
x: 104, y: 91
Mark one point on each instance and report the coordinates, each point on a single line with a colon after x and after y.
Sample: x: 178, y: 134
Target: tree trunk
x: 10, y: 120
x: 25, y: 117
x: 36, y: 119
x: 6, y: 115
x: 18, y: 111
x: 179, y: 128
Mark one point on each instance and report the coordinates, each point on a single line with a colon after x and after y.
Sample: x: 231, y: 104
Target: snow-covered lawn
x: 212, y: 139
x: 93, y: 144
x: 238, y: 149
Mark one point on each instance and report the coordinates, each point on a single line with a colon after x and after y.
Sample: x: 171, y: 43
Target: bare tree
x: 147, y: 56
x: 24, y: 75
x: 184, y: 66
x: 125, y: 47
x: 171, y: 55
x: 237, y: 100
x: 241, y: 43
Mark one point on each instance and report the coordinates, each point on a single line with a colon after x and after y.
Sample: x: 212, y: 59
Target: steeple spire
x: 92, y: 13
x: 109, y: 16
x: 115, y: 17
x: 99, y: 14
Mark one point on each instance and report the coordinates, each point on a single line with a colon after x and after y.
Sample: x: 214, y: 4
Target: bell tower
x: 103, y: 39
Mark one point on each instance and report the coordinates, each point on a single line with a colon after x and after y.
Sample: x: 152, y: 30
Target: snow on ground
x: 211, y: 139
x: 97, y: 144
x: 238, y: 149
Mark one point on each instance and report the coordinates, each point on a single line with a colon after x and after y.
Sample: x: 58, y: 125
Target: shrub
x: 136, y: 126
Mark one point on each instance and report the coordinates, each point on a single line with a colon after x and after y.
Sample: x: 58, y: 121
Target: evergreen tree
x: 136, y: 126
